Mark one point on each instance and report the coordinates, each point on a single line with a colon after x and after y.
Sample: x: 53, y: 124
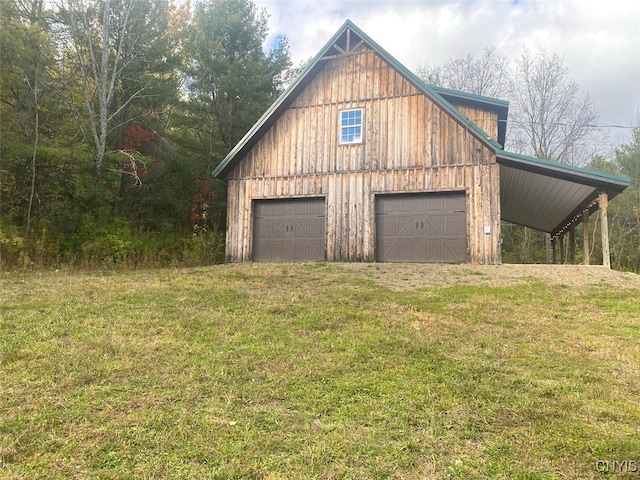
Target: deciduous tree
x: 550, y: 117
x: 26, y: 61
x: 625, y: 214
x: 487, y: 75
x: 120, y: 48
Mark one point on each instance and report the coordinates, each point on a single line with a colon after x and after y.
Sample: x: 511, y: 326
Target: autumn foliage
x: 135, y: 136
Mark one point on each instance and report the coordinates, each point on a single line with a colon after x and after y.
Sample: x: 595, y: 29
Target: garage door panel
x: 453, y: 202
x: 310, y: 228
x: 452, y: 227
x: 434, y: 225
x: 421, y: 228
x: 389, y: 222
x: 400, y: 250
x: 436, y: 249
x: 269, y: 228
x: 309, y: 207
x: 272, y: 210
x: 274, y: 250
x: 301, y: 251
x: 434, y: 204
x: 289, y: 230
x: 454, y: 247
x: 388, y: 250
x: 445, y: 250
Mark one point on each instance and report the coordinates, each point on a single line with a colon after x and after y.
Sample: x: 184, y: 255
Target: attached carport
x: 554, y: 198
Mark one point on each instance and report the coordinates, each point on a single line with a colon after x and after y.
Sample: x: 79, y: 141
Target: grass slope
x: 319, y: 371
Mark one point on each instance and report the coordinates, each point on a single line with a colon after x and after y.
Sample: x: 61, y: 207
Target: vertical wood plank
x: 368, y: 219
x: 313, y: 163
x: 354, y: 195
x: 497, y: 212
x: 299, y: 145
x: 331, y: 217
x: 231, y: 209
x: 246, y: 221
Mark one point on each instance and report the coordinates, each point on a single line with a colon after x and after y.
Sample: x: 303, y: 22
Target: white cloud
x: 600, y: 41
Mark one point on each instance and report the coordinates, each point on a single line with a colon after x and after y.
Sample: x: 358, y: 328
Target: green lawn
x: 317, y: 371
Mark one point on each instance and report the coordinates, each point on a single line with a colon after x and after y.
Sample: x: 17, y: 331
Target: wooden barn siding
x: 410, y: 145
x: 485, y: 119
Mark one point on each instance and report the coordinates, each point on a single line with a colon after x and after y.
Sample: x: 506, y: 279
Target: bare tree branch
x: 488, y: 75
x: 550, y: 112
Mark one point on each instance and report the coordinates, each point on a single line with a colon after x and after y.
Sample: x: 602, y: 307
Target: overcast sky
x: 598, y: 39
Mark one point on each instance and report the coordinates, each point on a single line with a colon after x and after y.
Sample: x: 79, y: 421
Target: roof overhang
x: 548, y: 196
x: 499, y: 107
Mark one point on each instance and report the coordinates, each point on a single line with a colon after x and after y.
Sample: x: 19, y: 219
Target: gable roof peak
x: 347, y: 39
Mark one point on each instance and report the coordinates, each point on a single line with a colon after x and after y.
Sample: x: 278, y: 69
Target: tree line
x: 113, y: 113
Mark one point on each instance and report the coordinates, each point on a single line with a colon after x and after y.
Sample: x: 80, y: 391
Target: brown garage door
x: 421, y: 228
x: 289, y: 230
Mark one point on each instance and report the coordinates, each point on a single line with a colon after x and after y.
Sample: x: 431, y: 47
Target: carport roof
x: 547, y: 195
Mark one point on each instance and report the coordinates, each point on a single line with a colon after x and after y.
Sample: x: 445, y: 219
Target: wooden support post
x: 585, y: 237
x: 604, y: 228
x: 562, y: 255
x: 572, y: 244
x: 554, y: 243
x: 548, y: 246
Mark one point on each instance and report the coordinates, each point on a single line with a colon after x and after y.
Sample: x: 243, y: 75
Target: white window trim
x: 361, y: 125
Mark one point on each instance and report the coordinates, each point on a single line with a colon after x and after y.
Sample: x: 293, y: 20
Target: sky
x: 599, y: 40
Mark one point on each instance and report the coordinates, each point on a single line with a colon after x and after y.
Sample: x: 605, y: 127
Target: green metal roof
x: 471, y: 96
x: 571, y: 171
x: 547, y: 195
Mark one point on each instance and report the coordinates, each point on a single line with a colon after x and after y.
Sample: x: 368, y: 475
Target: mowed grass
x: 315, y: 371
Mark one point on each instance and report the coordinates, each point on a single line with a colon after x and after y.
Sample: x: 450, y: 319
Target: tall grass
x: 315, y: 371
x: 110, y: 248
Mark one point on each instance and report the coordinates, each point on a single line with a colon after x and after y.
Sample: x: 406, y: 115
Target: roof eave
x: 614, y: 184
x: 586, y: 205
x: 472, y: 97
x: 500, y: 107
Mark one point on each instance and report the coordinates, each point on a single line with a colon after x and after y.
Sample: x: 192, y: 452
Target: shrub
x: 205, y: 248
x: 12, y: 248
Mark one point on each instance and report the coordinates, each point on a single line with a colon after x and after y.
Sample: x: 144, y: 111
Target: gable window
x: 351, y: 126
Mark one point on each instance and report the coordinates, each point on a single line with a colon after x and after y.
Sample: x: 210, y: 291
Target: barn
x: 359, y: 160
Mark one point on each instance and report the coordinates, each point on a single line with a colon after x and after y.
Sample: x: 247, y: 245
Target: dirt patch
x: 407, y: 276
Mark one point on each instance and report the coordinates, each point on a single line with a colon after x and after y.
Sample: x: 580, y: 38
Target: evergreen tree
x: 231, y: 80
